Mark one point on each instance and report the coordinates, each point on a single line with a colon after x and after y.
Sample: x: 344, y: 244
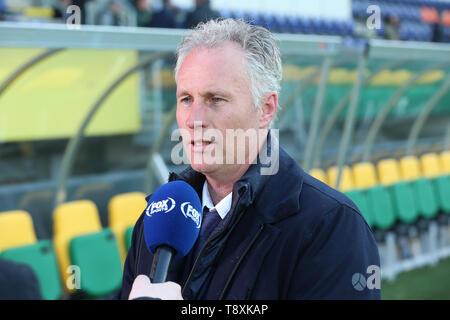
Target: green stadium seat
x: 426, y: 197
x: 41, y: 258
x: 442, y: 187
x: 380, y: 202
x: 402, y: 194
x: 404, y: 202
x: 97, y: 255
x: 359, y: 198
x: 128, y: 236
x: 72, y: 219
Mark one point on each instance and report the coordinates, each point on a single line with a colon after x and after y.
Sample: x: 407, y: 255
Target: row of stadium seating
x: 394, y: 191
x: 403, y: 11
x: 78, y: 240
x: 415, y: 21
x: 294, y: 24
x: 440, y: 4
x: 415, y: 31
x: 408, y: 30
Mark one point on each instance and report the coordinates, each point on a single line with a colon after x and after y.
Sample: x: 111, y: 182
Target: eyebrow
x: 216, y: 93
x: 207, y: 94
x: 182, y: 93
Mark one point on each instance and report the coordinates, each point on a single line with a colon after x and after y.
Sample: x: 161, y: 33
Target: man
x: 279, y: 235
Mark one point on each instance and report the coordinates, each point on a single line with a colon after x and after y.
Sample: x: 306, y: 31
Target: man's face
x: 213, y: 95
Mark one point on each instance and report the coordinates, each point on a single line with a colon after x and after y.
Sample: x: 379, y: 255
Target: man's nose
x: 197, y: 116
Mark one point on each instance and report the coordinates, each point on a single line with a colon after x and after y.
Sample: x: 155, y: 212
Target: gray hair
x: 262, y: 55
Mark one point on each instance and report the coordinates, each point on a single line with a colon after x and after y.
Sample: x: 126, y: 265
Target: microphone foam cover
x: 173, y: 217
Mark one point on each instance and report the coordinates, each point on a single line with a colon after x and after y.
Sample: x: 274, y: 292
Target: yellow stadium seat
x: 364, y: 175
x: 124, y: 210
x: 430, y: 165
x: 39, y: 12
x: 72, y: 219
x: 346, y: 182
x: 16, y: 229
x: 410, y: 168
x: 388, y: 171
x: 445, y: 162
x: 319, y: 174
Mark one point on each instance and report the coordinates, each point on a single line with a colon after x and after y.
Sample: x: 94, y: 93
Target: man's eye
x: 186, y: 100
x: 217, y: 100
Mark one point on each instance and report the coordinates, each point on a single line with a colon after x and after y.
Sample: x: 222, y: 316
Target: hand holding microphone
x: 171, y: 226
x: 142, y: 287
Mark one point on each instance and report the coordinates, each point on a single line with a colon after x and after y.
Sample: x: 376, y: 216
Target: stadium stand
x: 445, y: 162
x: 401, y: 191
x: 403, y: 196
x: 72, y: 219
x: 42, y: 260
x: 97, y: 255
x: 16, y: 228
x: 19, y: 244
x: 318, y: 174
x: 80, y: 240
x: 419, y: 20
x: 124, y: 210
x: 346, y: 182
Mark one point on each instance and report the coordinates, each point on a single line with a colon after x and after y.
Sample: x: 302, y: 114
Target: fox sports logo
x: 166, y: 205
x: 190, y: 212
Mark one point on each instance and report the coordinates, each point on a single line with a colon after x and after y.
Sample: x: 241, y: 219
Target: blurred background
x: 87, y: 100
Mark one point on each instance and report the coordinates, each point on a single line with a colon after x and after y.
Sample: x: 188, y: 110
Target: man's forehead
x: 220, y: 56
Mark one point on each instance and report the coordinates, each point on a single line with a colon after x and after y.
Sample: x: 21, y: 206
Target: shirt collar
x: 222, y: 208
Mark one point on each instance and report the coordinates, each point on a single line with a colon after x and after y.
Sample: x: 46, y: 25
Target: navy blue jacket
x: 287, y: 236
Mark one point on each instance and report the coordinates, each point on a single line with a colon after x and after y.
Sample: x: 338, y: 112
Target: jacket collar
x: 274, y: 196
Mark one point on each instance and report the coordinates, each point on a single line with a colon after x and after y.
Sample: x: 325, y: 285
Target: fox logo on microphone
x: 173, y: 218
x: 164, y: 205
x: 190, y: 212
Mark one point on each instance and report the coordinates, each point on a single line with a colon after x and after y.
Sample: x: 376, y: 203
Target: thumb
x: 139, y: 285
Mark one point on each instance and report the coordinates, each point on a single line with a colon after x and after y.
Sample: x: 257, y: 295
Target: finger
x: 143, y: 280
x: 173, y: 285
x: 139, y: 285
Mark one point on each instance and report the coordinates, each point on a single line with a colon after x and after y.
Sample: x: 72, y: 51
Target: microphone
x: 171, y: 225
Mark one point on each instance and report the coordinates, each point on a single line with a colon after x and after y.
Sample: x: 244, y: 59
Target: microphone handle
x: 161, y: 262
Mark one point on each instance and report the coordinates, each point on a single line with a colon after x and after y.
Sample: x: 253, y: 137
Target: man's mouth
x: 200, y: 145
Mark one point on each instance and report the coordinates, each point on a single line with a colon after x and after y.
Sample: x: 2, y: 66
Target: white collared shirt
x: 222, y: 208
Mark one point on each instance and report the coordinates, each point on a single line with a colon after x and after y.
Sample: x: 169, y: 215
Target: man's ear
x: 269, y: 105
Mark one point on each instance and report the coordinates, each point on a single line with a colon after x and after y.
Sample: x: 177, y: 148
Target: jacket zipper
x: 239, y: 262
